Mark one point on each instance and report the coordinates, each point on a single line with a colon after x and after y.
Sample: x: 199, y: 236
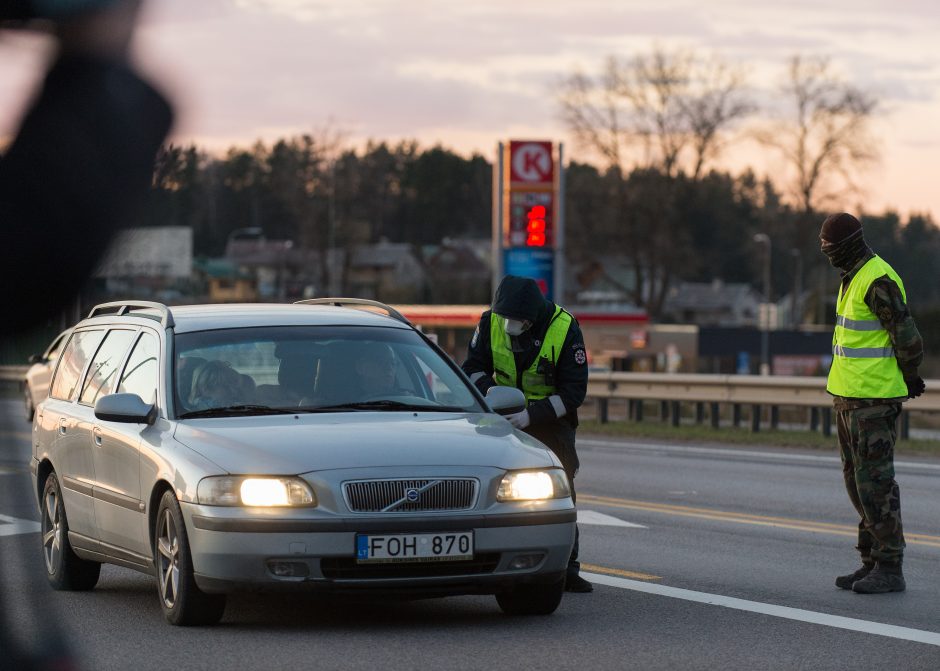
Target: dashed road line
x: 13, y: 526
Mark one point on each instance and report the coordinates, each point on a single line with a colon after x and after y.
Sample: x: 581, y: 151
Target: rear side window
x: 77, y: 353
x: 102, y: 374
x: 56, y: 347
x: 142, y: 372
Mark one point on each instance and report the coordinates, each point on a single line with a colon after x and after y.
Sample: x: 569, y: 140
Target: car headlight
x: 243, y: 490
x: 534, y: 486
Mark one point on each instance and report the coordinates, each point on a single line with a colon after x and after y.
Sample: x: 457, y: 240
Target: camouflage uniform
x: 867, y: 430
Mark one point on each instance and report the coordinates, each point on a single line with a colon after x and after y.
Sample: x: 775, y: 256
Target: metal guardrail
x: 740, y: 391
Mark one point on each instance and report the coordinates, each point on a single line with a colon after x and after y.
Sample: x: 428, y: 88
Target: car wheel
x: 29, y: 407
x: 532, y: 599
x: 182, y: 601
x: 64, y: 569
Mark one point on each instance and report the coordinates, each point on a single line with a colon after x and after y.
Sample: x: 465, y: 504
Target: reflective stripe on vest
x: 532, y: 383
x: 863, y: 362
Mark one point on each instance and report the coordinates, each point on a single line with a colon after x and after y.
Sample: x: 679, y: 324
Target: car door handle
x: 62, y: 426
x: 96, y: 432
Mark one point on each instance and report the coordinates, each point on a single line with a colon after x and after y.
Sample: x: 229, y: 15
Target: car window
x: 53, y: 352
x: 314, y: 367
x: 141, y: 374
x: 102, y: 374
x: 77, y: 353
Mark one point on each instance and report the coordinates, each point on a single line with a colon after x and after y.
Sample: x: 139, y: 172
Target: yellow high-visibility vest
x: 863, y: 362
x: 504, y: 364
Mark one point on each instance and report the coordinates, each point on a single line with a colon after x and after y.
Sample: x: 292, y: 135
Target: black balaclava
x: 843, y: 241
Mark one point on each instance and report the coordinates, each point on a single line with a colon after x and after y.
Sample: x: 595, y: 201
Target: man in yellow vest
x: 528, y: 342
x: 876, y: 350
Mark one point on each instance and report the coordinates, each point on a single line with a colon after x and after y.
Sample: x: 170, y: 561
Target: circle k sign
x: 531, y: 162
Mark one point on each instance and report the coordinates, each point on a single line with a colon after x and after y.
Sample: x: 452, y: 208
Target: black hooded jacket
x: 520, y: 298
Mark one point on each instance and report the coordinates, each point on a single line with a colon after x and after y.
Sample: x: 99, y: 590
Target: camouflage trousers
x: 866, y: 443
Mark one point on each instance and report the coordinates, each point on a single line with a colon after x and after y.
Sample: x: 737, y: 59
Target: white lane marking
x: 600, y: 519
x: 785, y: 612
x: 686, y: 449
x: 12, y: 526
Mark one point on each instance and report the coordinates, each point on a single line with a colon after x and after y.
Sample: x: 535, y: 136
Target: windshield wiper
x: 382, y: 405
x: 232, y: 410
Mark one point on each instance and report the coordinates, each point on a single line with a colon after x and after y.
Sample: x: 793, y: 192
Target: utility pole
x: 763, y: 238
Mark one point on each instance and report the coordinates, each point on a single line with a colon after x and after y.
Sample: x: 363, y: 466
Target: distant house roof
x: 158, y: 251
x: 454, y: 257
x: 382, y: 255
x: 258, y: 251
x: 607, y: 278
x: 702, y: 296
x: 713, y: 303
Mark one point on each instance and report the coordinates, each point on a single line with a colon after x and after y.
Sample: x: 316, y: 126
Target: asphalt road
x: 703, y: 558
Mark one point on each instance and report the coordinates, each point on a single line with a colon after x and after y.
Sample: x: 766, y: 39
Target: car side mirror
x: 127, y: 408
x: 505, y: 400
x: 36, y: 358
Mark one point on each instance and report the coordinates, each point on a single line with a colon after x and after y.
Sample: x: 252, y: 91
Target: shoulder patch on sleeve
x: 580, y: 357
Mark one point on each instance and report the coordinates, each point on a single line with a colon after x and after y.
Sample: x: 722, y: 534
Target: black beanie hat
x: 838, y: 227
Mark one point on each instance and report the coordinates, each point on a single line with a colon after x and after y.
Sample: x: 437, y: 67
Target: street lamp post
x: 764, y: 239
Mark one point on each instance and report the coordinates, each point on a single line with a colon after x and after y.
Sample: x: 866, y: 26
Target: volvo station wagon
x: 328, y: 445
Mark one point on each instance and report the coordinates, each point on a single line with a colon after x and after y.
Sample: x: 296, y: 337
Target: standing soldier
x: 528, y: 342
x: 876, y: 350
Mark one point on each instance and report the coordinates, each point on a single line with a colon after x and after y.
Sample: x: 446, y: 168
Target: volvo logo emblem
x: 412, y: 494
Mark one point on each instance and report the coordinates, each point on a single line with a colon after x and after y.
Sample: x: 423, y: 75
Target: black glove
x: 915, y: 387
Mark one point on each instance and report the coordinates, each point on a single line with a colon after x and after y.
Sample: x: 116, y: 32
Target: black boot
x: 846, y: 581
x: 883, y: 578
x: 575, y: 583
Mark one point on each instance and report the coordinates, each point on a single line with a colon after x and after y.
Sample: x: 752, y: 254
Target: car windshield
x: 267, y: 370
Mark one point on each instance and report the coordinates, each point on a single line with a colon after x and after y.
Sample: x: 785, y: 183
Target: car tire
x: 183, y: 603
x: 532, y: 599
x: 28, y: 403
x: 64, y: 569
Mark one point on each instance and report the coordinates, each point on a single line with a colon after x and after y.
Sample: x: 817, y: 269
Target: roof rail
x: 361, y: 302
x: 121, y: 308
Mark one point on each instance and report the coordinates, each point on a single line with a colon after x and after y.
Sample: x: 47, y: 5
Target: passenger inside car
x: 216, y: 384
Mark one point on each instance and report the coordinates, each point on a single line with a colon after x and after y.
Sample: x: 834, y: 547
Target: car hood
x: 288, y: 444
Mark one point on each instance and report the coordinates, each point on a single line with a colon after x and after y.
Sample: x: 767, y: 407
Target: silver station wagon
x: 328, y: 445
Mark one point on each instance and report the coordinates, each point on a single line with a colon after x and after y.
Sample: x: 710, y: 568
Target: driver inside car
x: 376, y: 368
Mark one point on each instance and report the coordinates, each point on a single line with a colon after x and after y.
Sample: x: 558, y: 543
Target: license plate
x: 414, y: 547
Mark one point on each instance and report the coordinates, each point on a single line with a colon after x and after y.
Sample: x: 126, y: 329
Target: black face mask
x: 844, y: 255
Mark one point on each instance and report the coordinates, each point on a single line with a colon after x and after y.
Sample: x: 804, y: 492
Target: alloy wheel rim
x: 51, y: 531
x: 169, y: 558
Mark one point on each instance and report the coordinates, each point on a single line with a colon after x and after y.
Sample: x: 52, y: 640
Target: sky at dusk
x: 466, y: 75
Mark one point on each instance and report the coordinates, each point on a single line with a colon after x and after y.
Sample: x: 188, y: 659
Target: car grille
x: 346, y: 568
x: 410, y: 496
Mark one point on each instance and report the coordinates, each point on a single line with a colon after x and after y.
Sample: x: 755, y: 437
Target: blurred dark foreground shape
x: 77, y: 170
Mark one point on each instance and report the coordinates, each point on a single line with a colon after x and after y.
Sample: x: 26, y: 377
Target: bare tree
x: 669, y: 108
x: 827, y: 138
x: 662, y: 115
x: 718, y: 105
